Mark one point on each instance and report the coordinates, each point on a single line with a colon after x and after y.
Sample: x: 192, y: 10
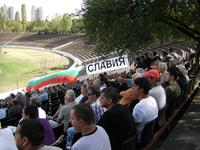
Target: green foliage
x: 13, y: 26
x: 77, y: 26
x: 3, y: 21
x: 23, y: 16
x: 120, y: 25
x: 37, y: 26
x: 55, y: 24
x: 66, y: 23
x: 59, y: 24
x: 18, y: 27
x: 23, y: 13
x: 17, y: 16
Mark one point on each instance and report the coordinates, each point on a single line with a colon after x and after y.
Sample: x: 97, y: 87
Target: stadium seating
x: 130, y: 144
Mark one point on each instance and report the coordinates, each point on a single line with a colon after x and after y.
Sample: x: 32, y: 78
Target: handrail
x: 177, y: 112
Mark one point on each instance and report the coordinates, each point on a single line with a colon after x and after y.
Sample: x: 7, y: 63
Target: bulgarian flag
x: 68, y: 76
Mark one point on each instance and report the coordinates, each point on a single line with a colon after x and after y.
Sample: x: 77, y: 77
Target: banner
x: 68, y: 76
x: 107, y: 65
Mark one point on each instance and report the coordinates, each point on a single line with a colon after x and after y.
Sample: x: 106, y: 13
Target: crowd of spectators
x: 104, y: 112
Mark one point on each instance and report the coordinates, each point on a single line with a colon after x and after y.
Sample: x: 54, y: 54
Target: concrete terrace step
x: 186, y: 134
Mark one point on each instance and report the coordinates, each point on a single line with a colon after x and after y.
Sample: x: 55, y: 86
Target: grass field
x: 18, y: 66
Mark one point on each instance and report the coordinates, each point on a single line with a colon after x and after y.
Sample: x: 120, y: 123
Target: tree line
x: 60, y: 24
x: 121, y: 25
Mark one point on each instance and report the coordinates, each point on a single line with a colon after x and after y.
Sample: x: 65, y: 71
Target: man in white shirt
x: 7, y: 141
x: 93, y: 137
x: 146, y: 110
x: 156, y: 91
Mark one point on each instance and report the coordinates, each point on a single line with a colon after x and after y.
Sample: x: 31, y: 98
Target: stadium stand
x: 151, y: 134
x: 46, y: 41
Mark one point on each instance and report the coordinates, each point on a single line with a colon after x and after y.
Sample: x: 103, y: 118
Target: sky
x: 50, y: 7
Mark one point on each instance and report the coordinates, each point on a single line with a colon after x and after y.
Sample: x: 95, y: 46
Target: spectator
x: 64, y: 113
x: 147, y: 60
x: 7, y: 140
x: 93, y: 101
x: 28, y: 97
x: 183, y: 78
x: 31, y: 112
x: 30, y: 134
x: 2, y: 112
x: 83, y: 96
x: 156, y: 91
x: 122, y: 86
x: 172, y: 63
x: 173, y: 91
x: 183, y: 71
x: 99, y: 84
x: 146, y: 110
x: 93, y: 137
x: 35, y: 100
x: 14, y: 109
x: 43, y: 95
x: 128, y: 95
x: 139, y: 63
x: 162, y: 68
x: 21, y: 99
x: 117, y: 120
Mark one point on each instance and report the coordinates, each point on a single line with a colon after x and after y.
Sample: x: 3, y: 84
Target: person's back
x: 2, y: 113
x: 158, y: 93
x: 44, y: 96
x: 148, y: 107
x: 173, y: 91
x: 65, y: 114
x: 45, y: 147
x: 7, y: 141
x: 175, y: 88
x: 127, y: 97
x: 119, y: 124
x: 144, y: 112
x: 98, y: 140
x: 49, y: 135
x: 14, y: 110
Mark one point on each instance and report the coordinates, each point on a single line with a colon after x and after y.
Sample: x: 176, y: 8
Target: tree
x: 132, y: 24
x: 77, y: 25
x: 3, y: 20
x: 55, y: 24
x: 17, y: 16
x: 18, y: 26
x: 23, y: 16
x: 17, y: 23
x: 13, y: 26
x: 66, y: 23
x: 38, y: 25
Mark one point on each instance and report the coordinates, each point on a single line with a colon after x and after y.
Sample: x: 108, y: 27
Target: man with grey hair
x: 64, y: 113
x: 162, y: 68
x: 35, y: 100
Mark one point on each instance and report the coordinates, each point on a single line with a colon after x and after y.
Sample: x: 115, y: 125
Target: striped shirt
x: 98, y: 110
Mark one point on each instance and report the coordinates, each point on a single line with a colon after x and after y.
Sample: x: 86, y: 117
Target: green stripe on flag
x: 38, y: 80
